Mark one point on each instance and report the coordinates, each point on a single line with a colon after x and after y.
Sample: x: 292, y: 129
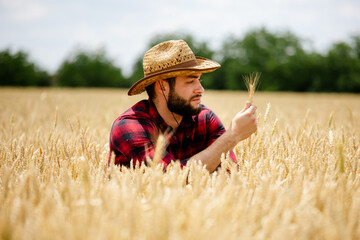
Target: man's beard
x: 181, y: 106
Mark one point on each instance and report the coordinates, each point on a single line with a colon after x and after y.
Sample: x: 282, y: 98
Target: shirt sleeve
x: 135, y: 139
x: 215, y: 130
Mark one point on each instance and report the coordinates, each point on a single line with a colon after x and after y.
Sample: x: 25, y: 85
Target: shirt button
x: 174, y: 137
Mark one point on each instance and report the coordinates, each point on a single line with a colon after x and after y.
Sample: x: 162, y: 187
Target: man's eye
x: 190, y: 82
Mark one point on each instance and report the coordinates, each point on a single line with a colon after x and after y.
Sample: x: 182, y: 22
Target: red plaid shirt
x: 134, y: 134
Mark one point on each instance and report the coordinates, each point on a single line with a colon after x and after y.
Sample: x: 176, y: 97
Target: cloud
x: 23, y: 10
x: 350, y: 10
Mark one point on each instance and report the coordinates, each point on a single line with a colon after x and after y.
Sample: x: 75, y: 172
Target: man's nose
x: 199, y: 88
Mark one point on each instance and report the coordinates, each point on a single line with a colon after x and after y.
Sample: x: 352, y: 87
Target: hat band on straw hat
x: 192, y: 63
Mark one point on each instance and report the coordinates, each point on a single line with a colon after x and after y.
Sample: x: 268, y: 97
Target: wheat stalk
x: 160, y: 148
x: 252, y: 82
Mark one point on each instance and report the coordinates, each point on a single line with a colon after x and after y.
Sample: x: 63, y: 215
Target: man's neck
x: 172, y: 119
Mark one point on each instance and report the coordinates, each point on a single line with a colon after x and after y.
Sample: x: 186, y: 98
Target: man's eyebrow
x: 194, y: 76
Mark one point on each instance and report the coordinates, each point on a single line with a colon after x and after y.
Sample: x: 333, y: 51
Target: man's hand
x: 244, y: 123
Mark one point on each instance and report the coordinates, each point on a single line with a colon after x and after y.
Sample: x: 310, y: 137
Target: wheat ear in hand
x: 251, y: 82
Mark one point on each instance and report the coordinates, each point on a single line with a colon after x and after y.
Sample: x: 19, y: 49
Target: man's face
x: 185, y: 97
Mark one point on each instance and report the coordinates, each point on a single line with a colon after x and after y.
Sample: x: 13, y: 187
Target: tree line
x: 281, y: 58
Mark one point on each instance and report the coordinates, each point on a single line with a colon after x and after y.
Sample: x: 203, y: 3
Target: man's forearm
x: 212, y: 154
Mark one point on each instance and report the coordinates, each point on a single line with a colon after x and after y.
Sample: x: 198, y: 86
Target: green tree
x: 17, y: 70
x: 343, y: 63
x: 279, y: 57
x: 90, y: 69
x: 137, y: 71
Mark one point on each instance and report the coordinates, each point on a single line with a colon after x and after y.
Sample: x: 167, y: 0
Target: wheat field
x: 298, y: 177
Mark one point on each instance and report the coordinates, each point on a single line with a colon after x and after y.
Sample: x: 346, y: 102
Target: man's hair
x: 150, y: 90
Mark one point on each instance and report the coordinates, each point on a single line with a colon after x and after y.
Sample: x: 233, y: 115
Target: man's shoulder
x: 139, y: 110
x: 135, y: 118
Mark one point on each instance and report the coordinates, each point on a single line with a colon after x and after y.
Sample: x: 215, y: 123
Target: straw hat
x: 170, y: 59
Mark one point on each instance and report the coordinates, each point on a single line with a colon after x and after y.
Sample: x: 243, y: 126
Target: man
x: 172, y: 79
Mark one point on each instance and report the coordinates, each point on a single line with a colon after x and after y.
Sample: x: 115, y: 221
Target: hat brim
x: 203, y: 65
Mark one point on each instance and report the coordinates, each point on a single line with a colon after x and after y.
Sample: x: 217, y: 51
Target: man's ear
x: 162, y: 86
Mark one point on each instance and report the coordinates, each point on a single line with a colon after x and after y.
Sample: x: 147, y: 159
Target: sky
x: 50, y: 30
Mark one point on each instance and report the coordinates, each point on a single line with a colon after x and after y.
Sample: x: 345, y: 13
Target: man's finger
x: 252, y: 109
x: 247, y: 105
